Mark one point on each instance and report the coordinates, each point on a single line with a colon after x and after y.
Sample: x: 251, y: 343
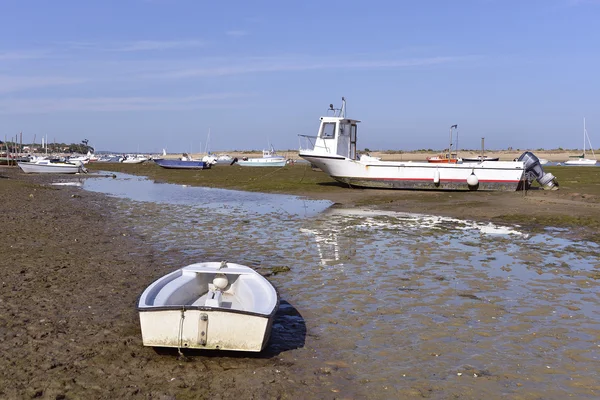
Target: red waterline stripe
x: 431, y: 180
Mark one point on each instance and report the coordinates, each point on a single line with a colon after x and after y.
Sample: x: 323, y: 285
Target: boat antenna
x: 339, y: 112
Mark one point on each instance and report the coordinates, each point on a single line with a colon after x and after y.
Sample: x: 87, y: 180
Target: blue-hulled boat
x: 182, y: 164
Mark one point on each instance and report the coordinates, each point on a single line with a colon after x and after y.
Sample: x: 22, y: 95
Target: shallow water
x: 402, y: 304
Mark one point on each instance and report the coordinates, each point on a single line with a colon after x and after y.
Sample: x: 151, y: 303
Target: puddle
x: 406, y: 303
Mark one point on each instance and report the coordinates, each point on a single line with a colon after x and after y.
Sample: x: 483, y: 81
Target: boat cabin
x: 337, y: 134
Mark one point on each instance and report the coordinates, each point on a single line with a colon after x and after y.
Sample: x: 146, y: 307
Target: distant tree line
x: 14, y: 147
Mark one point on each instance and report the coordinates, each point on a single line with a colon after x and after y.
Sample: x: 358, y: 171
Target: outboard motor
x: 534, y: 170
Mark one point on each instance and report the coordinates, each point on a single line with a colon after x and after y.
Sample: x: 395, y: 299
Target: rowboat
x: 211, y: 306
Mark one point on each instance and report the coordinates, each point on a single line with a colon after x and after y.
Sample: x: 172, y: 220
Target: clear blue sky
x: 154, y: 74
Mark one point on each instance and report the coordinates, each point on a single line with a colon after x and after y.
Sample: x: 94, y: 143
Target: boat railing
x: 310, y: 143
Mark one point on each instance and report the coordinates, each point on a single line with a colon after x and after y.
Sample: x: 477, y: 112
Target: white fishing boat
x: 209, y: 305
x: 582, y: 159
x: 269, y: 159
x: 334, y: 151
x: 46, y: 166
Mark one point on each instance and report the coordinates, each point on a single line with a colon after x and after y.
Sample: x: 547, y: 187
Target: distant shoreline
x: 416, y: 155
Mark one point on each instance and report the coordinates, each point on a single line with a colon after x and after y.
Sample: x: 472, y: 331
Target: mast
x: 450, y: 145
x: 584, y: 135
x: 450, y: 148
x: 207, y: 141
x: 587, y: 137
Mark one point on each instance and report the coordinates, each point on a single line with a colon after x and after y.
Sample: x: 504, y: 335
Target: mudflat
x: 72, y: 270
x: 71, y: 275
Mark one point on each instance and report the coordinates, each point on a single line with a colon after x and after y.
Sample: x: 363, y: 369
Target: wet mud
x: 375, y: 304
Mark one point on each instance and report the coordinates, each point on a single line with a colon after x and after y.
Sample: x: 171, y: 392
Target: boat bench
x: 179, y: 291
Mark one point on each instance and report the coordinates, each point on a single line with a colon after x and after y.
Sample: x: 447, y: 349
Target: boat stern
x: 205, y: 329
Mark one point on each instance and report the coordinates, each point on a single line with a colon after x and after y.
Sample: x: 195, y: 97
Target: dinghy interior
x: 211, y: 305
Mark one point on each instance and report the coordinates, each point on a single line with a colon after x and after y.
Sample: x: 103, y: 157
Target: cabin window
x: 328, y: 131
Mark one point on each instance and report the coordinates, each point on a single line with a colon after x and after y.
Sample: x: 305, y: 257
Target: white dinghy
x: 209, y: 305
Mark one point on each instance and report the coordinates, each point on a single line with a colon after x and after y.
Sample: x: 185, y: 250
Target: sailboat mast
x: 584, y: 137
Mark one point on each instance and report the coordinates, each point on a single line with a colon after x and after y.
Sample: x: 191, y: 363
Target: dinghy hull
x: 209, y: 306
x: 205, y: 329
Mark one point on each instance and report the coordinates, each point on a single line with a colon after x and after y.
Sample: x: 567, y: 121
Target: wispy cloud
x: 17, y: 83
x: 104, y: 104
x: 582, y: 2
x: 275, y: 64
x: 23, y: 55
x: 236, y: 33
x: 129, y: 46
x: 148, y: 45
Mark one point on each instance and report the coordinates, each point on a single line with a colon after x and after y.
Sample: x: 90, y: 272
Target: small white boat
x: 45, y: 166
x: 269, y: 159
x: 582, y: 159
x: 81, y: 159
x: 334, y: 151
x: 224, y: 159
x: 134, y: 159
x: 209, y: 305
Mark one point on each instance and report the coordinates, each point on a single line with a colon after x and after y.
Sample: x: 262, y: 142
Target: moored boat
x: 480, y: 159
x: 444, y: 159
x: 134, y: 159
x: 182, y: 163
x: 451, y: 156
x: 209, y: 305
x: 269, y: 159
x: 582, y: 159
x: 334, y: 151
x: 46, y: 166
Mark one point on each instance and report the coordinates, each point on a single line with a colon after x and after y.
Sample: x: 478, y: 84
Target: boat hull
x: 478, y: 159
x: 491, y: 176
x: 442, y: 161
x: 581, y: 161
x: 180, y: 164
x: 205, y: 329
x: 50, y: 168
x: 263, y: 162
x: 209, y: 306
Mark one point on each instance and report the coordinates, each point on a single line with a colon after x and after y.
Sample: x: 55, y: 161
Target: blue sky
x: 154, y: 74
